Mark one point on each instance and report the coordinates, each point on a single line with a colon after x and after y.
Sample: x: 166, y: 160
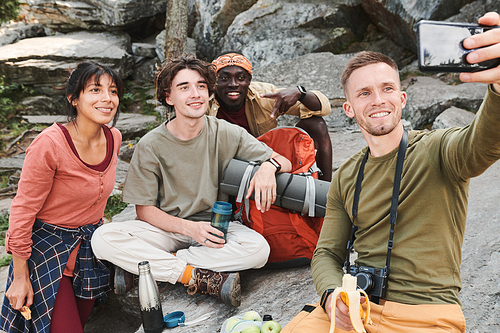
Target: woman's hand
x: 20, y: 292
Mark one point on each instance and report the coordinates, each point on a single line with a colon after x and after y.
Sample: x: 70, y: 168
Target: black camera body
x: 372, y: 280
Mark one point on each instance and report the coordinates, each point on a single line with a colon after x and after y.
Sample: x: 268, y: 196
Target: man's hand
x: 201, y: 232
x: 342, y: 317
x: 283, y: 100
x: 490, y: 40
x: 264, y: 184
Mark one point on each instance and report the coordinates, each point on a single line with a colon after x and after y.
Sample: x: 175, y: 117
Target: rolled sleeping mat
x: 295, y: 192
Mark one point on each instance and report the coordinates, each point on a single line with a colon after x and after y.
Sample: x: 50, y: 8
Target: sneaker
x: 224, y: 286
x: 124, y: 281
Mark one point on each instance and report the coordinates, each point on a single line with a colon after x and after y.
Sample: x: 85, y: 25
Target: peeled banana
x: 351, y: 297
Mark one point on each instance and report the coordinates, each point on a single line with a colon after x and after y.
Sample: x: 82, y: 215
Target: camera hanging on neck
x: 381, y: 276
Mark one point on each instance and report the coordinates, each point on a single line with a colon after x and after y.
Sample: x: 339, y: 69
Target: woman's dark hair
x: 166, y: 74
x: 81, y: 76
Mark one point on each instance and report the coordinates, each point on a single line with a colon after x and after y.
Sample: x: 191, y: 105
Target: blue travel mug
x: 221, y: 215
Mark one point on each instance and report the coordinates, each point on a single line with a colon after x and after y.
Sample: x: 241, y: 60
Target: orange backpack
x: 292, y: 236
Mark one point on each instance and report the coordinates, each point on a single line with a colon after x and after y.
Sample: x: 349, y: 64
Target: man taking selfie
x: 415, y: 263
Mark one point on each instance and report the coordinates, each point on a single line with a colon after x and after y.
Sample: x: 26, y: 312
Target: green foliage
x: 4, y: 222
x: 114, y: 206
x: 5, y: 260
x: 4, y: 181
x: 126, y: 100
x: 4, y: 225
x: 9, y: 10
x: 138, y: 95
x: 10, y: 97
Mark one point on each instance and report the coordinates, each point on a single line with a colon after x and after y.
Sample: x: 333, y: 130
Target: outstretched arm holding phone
x: 489, y: 44
x: 423, y: 281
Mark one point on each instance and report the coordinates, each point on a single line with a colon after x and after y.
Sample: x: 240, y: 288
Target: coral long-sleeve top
x: 57, y: 188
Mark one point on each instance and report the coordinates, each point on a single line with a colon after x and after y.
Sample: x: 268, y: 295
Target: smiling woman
x: 68, y: 173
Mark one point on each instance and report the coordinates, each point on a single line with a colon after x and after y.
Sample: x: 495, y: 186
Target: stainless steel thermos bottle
x: 149, y: 299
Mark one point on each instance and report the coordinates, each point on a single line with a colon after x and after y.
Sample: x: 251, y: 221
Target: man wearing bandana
x: 256, y: 106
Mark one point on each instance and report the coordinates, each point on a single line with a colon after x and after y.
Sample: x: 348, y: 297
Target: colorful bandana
x: 232, y: 59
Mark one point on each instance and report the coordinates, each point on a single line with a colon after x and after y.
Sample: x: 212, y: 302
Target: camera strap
x: 394, y: 203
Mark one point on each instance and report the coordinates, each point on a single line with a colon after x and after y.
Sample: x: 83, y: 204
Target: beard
x: 380, y: 130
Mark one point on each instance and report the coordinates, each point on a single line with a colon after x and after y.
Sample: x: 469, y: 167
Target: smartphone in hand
x: 440, y: 47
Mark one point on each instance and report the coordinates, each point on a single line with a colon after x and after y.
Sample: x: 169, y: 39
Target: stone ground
x: 283, y: 293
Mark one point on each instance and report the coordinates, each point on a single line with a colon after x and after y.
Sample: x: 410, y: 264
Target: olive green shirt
x: 429, y: 231
x: 181, y: 177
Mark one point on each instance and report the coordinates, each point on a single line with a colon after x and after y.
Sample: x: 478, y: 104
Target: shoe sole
x: 231, y: 290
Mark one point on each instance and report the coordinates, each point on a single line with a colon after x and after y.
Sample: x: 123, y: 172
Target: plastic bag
x: 240, y: 325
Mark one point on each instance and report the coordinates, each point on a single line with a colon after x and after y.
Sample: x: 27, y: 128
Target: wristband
x: 325, y: 296
x: 275, y: 163
x: 303, y: 92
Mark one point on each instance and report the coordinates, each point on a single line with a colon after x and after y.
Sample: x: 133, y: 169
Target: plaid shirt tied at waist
x: 51, y: 248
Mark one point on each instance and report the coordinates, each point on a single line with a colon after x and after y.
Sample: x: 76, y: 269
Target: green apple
x: 232, y: 322
x: 251, y: 329
x: 252, y: 315
x: 271, y: 326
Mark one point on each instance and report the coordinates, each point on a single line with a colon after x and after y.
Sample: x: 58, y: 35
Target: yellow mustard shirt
x: 258, y: 109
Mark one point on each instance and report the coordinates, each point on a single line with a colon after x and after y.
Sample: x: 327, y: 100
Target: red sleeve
x: 35, y: 185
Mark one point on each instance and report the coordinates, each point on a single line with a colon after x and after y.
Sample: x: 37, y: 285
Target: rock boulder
x: 398, y: 18
x: 45, y: 61
x: 453, y: 117
x: 301, y: 27
x: 425, y: 102
x: 94, y: 14
x: 213, y: 18
x: 13, y: 32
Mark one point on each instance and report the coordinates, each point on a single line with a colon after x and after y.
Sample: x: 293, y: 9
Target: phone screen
x: 441, y: 50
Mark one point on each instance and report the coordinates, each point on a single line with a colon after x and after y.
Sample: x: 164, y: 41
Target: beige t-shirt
x: 181, y: 177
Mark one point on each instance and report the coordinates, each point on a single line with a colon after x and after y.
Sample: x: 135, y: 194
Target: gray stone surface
x: 453, y: 117
x: 425, y: 102
x: 43, y: 105
x: 45, y: 61
x: 131, y: 125
x: 45, y: 120
x: 213, y: 18
x: 121, y: 172
x: 398, y: 18
x: 13, y: 32
x: 315, y: 71
x: 160, y: 45
x: 272, y: 31
x: 94, y: 14
x: 474, y: 10
x: 5, y: 206
x: 480, y: 255
x: 11, y: 163
x: 145, y: 50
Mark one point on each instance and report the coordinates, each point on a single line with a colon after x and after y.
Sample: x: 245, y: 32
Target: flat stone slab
x: 4, y: 206
x: 453, y: 117
x: 46, y: 60
x: 14, y: 162
x: 94, y: 14
x: 131, y: 125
